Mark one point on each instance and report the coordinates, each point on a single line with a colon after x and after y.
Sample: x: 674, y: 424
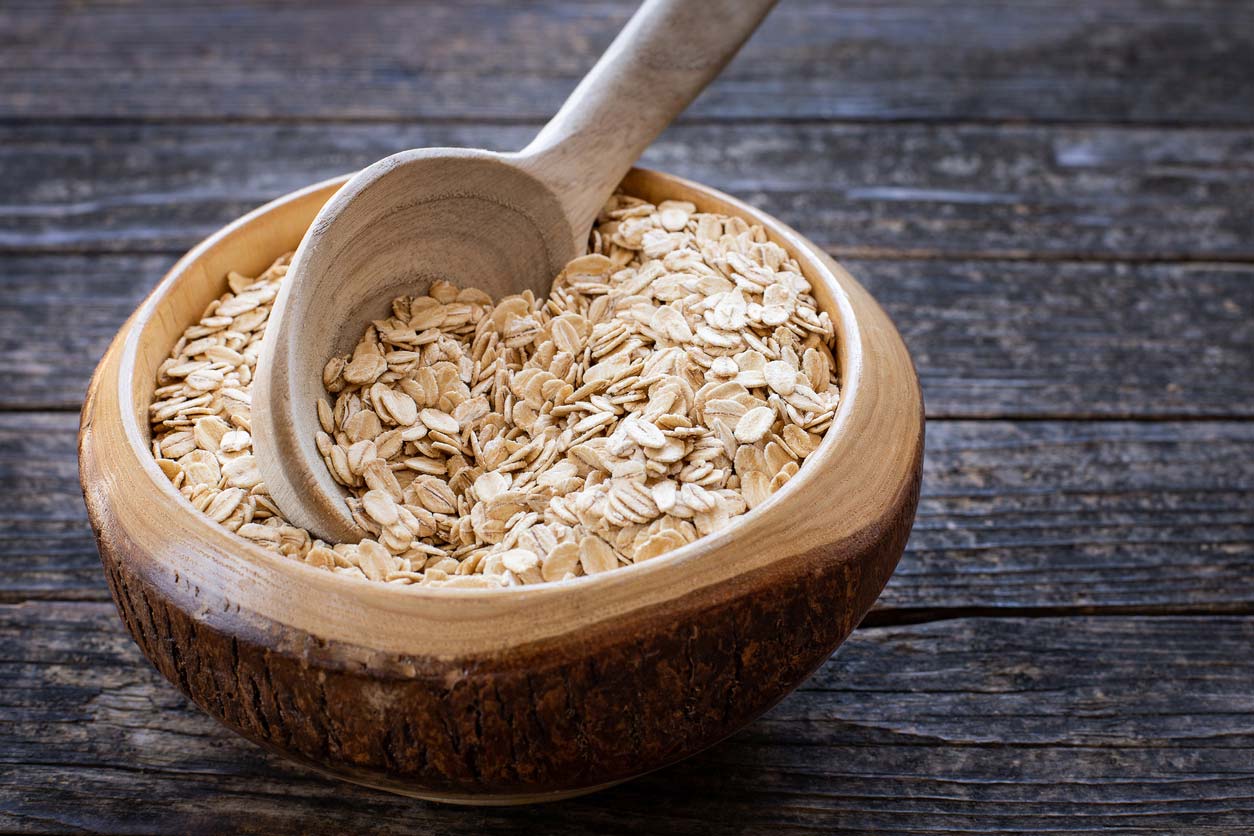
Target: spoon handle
x: 666, y: 54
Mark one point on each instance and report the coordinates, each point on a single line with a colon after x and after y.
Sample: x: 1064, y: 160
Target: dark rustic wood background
x: 1055, y: 201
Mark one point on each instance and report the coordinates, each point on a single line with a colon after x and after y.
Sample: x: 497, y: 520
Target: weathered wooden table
x: 1055, y: 200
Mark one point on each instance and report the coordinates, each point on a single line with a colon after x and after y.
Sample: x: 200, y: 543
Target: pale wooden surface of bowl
x: 510, y: 695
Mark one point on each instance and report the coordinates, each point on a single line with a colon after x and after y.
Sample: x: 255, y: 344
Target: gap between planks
x: 908, y: 616
x: 886, y: 617
x: 837, y: 252
x: 490, y: 120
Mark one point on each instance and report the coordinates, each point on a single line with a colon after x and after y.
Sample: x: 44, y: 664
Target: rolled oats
x: 675, y: 378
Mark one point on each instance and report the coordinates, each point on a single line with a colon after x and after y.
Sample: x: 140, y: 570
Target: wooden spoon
x: 501, y: 222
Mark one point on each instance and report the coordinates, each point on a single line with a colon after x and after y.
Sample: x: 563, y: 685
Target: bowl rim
x: 849, y: 355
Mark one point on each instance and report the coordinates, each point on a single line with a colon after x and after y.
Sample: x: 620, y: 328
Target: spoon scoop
x: 504, y: 223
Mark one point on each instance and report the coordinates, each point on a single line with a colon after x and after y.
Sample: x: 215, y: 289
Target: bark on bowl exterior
x: 509, y: 696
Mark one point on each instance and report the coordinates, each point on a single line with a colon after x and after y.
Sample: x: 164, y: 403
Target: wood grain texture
x: 884, y: 190
x: 989, y: 339
x: 1014, y: 516
x: 1134, y: 516
x: 1048, y: 340
x: 1073, y: 725
x: 1149, y: 60
x: 1109, y: 724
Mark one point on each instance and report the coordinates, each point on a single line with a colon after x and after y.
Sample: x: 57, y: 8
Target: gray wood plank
x: 1079, y: 514
x: 1014, y: 516
x: 58, y: 314
x: 1146, y: 60
x: 1042, y: 339
x: 887, y: 190
x: 1017, y: 258
x: 989, y: 338
x: 1075, y: 725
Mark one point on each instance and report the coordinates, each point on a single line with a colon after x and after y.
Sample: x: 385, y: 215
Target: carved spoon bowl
x: 512, y: 695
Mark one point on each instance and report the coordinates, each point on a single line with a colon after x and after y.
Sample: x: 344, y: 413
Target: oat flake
x: 676, y: 377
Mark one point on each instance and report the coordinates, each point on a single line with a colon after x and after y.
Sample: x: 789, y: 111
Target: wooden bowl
x: 513, y: 695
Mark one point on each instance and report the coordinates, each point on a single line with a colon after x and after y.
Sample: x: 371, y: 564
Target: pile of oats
x: 675, y: 378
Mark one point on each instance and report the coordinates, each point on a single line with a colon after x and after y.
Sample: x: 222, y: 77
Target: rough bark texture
x: 626, y: 698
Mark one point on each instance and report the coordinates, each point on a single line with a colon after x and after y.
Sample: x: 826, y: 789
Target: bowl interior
x: 251, y: 243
